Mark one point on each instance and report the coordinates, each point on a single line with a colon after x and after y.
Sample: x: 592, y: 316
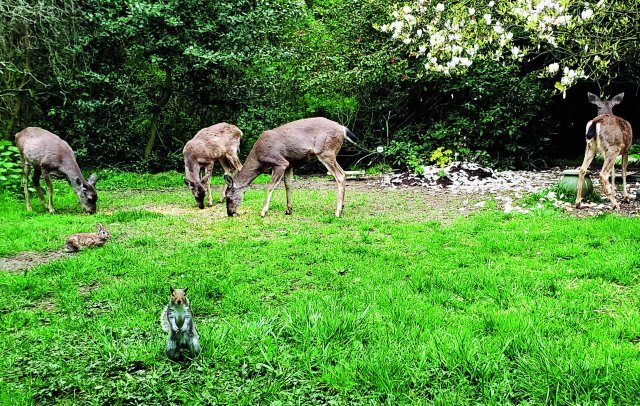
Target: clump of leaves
x: 10, y: 170
x: 441, y: 157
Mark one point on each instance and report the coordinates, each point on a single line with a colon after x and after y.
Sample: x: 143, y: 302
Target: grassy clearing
x: 382, y: 305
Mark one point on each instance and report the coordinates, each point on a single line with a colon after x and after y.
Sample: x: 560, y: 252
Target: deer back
x: 212, y: 143
x: 610, y: 131
x: 299, y: 141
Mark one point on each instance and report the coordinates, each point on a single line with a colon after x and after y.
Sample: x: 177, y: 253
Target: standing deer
x: 612, y: 136
x: 220, y: 142
x: 280, y: 149
x: 51, y: 156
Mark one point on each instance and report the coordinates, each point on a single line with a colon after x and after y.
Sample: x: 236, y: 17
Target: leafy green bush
x: 10, y: 170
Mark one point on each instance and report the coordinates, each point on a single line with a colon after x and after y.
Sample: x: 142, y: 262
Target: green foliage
x: 441, y: 157
x: 494, y: 116
x: 10, y: 169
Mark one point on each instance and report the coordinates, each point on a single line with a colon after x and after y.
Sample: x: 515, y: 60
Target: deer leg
x: 288, y: 180
x: 228, y: 171
x: 338, y: 174
x: 609, y: 162
x: 25, y: 180
x: 36, y: 183
x: 589, y: 153
x: 234, y: 162
x: 47, y: 180
x: 208, y: 170
x: 613, y: 179
x: 276, y: 176
x: 625, y: 161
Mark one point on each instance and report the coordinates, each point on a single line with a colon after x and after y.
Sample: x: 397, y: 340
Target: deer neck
x: 192, y: 170
x: 251, y: 169
x: 71, y: 171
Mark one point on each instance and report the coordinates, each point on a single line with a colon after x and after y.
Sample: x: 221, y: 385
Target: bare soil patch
x: 28, y: 260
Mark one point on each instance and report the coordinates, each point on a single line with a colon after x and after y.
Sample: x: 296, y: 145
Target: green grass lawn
x: 386, y: 304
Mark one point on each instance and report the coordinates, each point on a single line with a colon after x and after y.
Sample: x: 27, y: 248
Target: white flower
x: 492, y: 3
x: 407, y: 40
x: 440, y: 7
x: 406, y: 9
x: 419, y: 33
x: 553, y: 68
x: 515, y: 51
x: 472, y: 11
x: 487, y: 18
x: 498, y: 29
x: 465, y: 61
x: 586, y: 14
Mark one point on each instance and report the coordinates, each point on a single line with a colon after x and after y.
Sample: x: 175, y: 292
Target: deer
x: 612, y: 136
x: 220, y: 142
x: 280, y: 149
x: 50, y: 155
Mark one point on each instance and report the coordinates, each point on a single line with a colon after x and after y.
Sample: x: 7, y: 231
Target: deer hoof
x: 288, y: 212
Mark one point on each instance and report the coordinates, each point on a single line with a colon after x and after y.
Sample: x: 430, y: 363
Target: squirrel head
x: 178, y: 296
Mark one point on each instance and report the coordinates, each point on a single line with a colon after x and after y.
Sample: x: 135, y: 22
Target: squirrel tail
x: 164, y: 320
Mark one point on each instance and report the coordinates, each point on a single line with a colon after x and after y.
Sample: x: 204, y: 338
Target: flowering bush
x: 451, y: 36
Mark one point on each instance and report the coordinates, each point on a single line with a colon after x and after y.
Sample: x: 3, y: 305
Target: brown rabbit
x: 76, y: 241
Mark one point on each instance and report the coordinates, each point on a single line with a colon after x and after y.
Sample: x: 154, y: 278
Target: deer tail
x: 592, y: 130
x: 350, y: 136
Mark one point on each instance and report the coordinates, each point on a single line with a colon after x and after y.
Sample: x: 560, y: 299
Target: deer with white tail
x: 49, y: 155
x: 279, y: 150
x: 612, y: 136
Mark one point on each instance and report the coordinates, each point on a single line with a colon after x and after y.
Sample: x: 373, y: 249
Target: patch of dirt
x: 85, y: 290
x: 28, y: 260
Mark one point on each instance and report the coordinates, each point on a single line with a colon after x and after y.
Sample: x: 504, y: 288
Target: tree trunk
x: 156, y: 111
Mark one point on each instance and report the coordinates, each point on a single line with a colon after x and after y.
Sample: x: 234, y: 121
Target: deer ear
x: 185, y: 290
x: 171, y: 289
x: 593, y: 98
x: 92, y: 179
x: 617, y: 99
x: 228, y: 180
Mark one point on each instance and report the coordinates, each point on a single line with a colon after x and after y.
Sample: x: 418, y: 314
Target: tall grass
x: 388, y: 304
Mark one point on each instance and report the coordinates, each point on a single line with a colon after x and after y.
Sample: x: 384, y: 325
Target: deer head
x: 233, y: 195
x: 86, y: 192
x: 198, y: 190
x: 605, y: 106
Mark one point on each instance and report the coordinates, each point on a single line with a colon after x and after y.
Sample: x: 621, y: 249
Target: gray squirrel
x: 177, y: 321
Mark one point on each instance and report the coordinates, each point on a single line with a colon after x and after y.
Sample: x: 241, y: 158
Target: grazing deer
x: 220, y: 142
x: 52, y: 156
x: 280, y: 149
x: 612, y: 136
